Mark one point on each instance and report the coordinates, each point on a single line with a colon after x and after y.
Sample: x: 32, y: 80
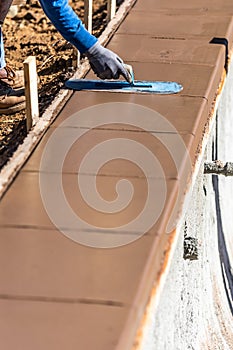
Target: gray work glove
x: 105, y: 63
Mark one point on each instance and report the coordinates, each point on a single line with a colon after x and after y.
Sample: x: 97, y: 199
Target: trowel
x: 130, y: 86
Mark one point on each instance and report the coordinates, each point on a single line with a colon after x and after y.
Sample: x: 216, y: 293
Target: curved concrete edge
x: 23, y: 152
x: 191, y: 304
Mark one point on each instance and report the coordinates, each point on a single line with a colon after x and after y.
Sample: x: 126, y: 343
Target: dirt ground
x: 31, y: 33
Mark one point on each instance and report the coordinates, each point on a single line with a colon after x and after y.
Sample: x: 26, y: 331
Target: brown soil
x: 31, y: 33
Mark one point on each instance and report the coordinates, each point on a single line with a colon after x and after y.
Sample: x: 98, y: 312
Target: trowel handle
x: 130, y: 73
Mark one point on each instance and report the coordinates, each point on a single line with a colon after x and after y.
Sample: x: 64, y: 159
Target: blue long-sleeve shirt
x: 68, y: 23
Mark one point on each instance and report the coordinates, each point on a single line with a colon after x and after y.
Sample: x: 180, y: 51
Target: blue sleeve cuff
x: 83, y: 40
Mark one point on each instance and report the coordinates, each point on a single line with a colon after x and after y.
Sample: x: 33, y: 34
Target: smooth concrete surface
x: 149, y: 48
x: 178, y: 26
x: 56, y: 293
x: 203, y: 7
x: 29, y: 210
x: 92, y: 137
x: 175, y: 109
x: 59, y: 325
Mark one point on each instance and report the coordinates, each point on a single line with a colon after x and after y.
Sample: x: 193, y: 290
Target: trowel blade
x: 153, y: 87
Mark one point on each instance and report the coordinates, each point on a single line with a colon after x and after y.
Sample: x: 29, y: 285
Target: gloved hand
x: 105, y: 63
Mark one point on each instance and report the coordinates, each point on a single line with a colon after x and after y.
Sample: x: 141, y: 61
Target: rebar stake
x: 219, y: 168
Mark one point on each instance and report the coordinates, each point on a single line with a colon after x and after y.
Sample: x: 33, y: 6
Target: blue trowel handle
x: 118, y: 84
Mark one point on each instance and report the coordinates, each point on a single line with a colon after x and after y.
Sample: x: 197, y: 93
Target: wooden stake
x: 88, y: 14
x: 31, y: 91
x: 111, y: 9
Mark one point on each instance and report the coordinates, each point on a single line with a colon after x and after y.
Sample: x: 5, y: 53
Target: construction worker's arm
x: 105, y: 63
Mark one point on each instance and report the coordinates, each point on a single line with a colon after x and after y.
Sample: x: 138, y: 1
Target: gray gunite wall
x: 194, y: 310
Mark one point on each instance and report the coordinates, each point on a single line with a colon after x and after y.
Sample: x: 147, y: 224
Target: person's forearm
x: 68, y: 24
